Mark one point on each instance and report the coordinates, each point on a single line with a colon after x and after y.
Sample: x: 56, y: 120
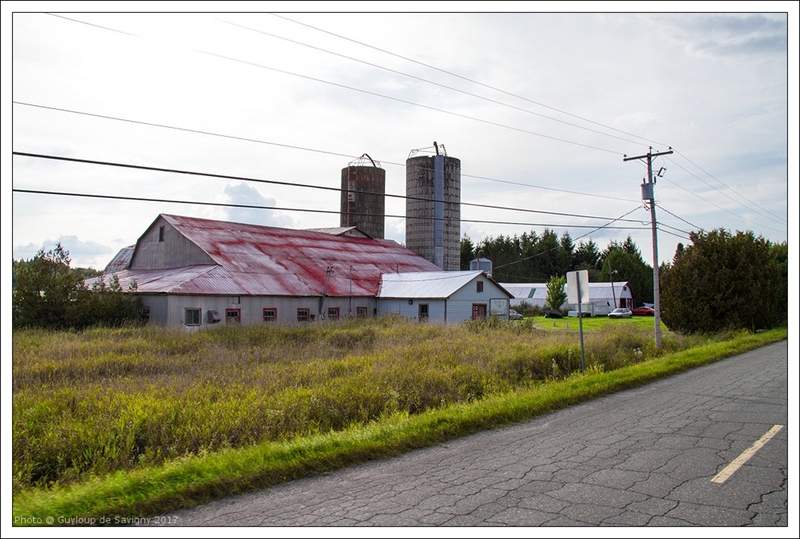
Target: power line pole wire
x: 649, y: 197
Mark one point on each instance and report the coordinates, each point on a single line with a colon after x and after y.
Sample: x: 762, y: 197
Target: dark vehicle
x: 643, y: 311
x: 514, y: 315
x: 553, y: 314
x: 622, y: 312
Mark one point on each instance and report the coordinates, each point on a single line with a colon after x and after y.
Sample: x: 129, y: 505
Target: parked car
x: 643, y: 311
x: 513, y: 314
x: 621, y: 312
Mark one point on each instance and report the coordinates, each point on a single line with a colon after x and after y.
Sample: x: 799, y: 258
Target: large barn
x: 198, y: 273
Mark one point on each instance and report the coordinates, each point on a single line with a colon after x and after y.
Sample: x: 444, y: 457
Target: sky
x: 541, y: 106
x: 542, y: 102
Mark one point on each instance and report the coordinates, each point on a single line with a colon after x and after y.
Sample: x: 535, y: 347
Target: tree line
x: 721, y: 281
x: 535, y: 258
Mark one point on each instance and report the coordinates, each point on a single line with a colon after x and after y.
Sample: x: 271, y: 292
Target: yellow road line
x: 739, y: 461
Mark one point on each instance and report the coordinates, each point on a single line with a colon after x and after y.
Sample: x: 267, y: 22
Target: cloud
x: 246, y: 195
x: 725, y: 35
x: 81, y: 253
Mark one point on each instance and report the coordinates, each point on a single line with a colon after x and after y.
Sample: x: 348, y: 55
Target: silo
x: 363, y: 196
x: 433, y: 208
x: 481, y: 263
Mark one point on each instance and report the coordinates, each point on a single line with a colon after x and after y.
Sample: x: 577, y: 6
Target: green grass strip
x: 193, y: 481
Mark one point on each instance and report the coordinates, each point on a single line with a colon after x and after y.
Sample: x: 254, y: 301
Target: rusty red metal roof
x: 261, y: 260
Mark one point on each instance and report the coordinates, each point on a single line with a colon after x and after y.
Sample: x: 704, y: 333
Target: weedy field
x: 103, y: 400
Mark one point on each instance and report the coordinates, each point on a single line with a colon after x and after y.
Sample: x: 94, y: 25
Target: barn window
x: 192, y: 316
x: 361, y: 312
x: 302, y: 315
x: 161, y: 233
x: 333, y: 313
x: 270, y: 315
x: 233, y: 316
x: 423, y: 312
x: 479, y: 286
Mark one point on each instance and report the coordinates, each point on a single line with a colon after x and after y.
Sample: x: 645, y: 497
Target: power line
x: 425, y: 80
x: 278, y: 208
x: 368, y: 92
x: 716, y: 205
x: 780, y: 221
x: 463, y: 78
x: 293, y: 147
x: 288, y: 184
x: 579, y: 237
x: 684, y: 220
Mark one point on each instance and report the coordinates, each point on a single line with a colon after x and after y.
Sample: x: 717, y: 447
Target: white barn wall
x: 169, y: 309
x: 401, y: 307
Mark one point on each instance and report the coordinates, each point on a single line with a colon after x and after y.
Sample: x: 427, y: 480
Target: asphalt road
x: 643, y: 457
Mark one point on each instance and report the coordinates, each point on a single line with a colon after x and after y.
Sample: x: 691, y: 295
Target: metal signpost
x: 578, y: 292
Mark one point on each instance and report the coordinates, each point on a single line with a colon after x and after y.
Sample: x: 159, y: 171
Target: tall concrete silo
x: 433, y: 208
x: 363, y: 196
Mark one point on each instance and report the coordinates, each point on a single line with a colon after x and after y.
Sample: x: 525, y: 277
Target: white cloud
x: 247, y: 195
x: 78, y: 250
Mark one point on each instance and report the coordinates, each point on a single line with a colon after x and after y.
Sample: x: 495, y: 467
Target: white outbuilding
x: 445, y: 296
x: 602, y: 297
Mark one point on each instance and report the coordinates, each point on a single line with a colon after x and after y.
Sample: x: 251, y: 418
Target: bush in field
x: 49, y: 294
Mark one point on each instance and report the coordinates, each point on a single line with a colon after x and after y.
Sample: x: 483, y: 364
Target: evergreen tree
x: 725, y: 281
x: 626, y: 260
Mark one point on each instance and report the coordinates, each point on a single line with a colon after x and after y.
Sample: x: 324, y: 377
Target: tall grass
x: 104, y: 400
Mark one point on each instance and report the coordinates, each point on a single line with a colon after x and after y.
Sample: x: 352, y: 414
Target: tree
x: 46, y: 289
x: 556, y: 293
x: 51, y: 295
x: 626, y: 259
x: 467, y: 252
x: 725, y: 281
x: 549, y: 257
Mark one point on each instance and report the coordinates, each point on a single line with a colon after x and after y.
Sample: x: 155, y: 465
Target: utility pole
x: 649, y: 197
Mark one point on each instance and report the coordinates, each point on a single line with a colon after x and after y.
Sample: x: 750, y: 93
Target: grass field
x: 140, y: 420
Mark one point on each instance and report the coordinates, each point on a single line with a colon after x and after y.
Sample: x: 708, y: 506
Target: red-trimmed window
x: 233, y: 316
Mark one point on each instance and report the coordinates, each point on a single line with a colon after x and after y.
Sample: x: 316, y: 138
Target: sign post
x: 578, y: 292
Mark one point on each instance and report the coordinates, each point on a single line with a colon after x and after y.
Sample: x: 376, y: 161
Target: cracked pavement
x: 642, y: 457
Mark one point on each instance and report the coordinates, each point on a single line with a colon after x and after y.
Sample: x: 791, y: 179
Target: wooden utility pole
x: 649, y: 197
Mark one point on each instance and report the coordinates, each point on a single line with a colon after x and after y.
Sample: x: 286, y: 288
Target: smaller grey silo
x: 481, y: 263
x: 363, y: 202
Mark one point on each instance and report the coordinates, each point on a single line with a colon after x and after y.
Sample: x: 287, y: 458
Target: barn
x: 197, y: 273
x: 602, y: 297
